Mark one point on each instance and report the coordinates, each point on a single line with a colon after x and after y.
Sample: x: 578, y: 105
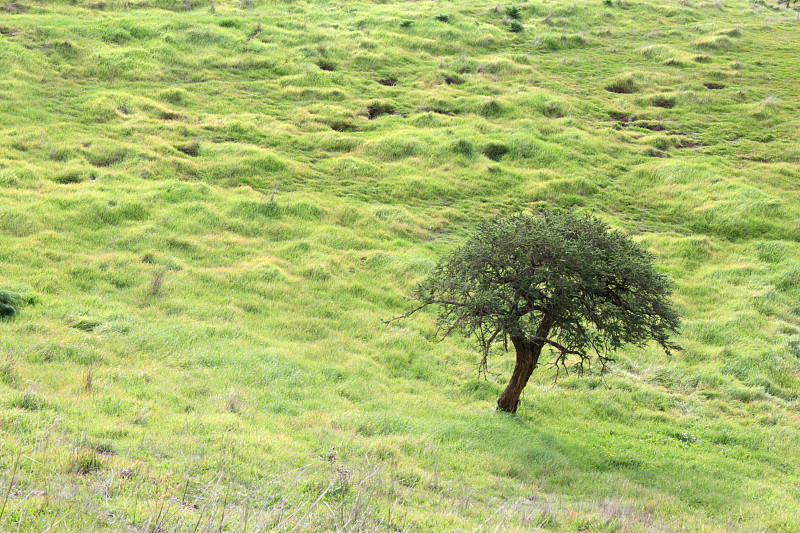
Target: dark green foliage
x: 230, y: 23
x: 495, y: 151
x: 512, y: 12
x: 7, y: 311
x: 441, y: 17
x: 559, y: 277
x: 327, y: 65
x: 515, y: 27
x: 10, y: 303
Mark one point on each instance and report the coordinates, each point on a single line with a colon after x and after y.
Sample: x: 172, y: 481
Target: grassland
x: 209, y: 208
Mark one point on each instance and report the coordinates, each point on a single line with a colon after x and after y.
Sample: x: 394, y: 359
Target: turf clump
x: 623, y: 85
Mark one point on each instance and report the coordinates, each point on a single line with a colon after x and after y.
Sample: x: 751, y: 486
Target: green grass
x: 207, y: 210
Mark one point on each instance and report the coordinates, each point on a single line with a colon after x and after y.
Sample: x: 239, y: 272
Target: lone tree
x: 557, y: 279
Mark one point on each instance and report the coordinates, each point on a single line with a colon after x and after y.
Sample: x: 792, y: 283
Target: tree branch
x: 404, y: 315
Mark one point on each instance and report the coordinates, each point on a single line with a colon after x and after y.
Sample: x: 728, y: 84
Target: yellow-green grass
x: 212, y: 207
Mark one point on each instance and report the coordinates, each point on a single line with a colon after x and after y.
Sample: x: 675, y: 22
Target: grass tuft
x: 623, y: 85
x: 85, y: 462
x: 463, y: 147
x: 666, y: 101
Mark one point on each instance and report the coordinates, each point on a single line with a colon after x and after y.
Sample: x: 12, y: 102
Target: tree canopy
x: 556, y: 279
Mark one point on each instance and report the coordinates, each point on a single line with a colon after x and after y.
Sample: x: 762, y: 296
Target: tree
x: 557, y: 279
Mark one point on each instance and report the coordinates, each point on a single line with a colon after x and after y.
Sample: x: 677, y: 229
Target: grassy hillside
x: 208, y: 208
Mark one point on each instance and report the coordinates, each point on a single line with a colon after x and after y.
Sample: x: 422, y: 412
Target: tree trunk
x: 527, y: 358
